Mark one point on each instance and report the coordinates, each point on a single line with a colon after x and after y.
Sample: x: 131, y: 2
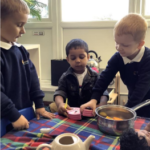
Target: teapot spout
x: 88, y: 141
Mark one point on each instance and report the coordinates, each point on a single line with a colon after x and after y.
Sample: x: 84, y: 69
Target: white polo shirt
x: 7, y: 46
x: 137, y: 58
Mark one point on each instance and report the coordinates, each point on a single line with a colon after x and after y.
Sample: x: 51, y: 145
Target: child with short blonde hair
x: 19, y: 80
x: 15, y: 6
x: 132, y: 61
x: 132, y: 24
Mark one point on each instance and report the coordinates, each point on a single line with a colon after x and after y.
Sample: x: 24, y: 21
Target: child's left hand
x: 44, y: 113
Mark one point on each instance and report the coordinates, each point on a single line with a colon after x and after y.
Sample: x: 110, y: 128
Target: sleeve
x: 106, y: 77
x: 8, y: 109
x: 142, y: 86
x: 62, y: 87
x: 105, y: 92
x: 36, y: 94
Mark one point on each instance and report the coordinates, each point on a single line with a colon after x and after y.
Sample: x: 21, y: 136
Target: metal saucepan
x: 115, y: 127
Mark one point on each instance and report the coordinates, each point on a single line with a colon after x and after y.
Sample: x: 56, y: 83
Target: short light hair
x: 8, y: 7
x: 133, y: 24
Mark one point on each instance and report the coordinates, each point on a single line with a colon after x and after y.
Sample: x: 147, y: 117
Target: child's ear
x: 67, y: 59
x: 88, y: 56
x: 141, y: 44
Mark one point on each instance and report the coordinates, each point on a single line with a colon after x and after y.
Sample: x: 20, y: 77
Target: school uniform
x: 135, y: 74
x: 19, y: 81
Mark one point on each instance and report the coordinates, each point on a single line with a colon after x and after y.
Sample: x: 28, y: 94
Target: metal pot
x: 115, y: 127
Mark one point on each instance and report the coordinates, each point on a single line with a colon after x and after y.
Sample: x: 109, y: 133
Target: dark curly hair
x: 129, y: 140
x: 76, y: 43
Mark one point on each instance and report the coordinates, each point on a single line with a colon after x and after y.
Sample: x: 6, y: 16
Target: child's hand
x: 92, y: 104
x: 103, y: 101
x: 21, y: 123
x: 147, y: 128
x: 62, y: 110
x: 44, y: 113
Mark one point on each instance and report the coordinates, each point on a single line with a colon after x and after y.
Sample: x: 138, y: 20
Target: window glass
x: 44, y: 10
x: 147, y: 7
x: 93, y: 10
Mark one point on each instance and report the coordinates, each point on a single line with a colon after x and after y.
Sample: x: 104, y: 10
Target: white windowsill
x: 46, y: 86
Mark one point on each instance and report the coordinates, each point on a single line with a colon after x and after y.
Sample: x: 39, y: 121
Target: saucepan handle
x: 44, y: 145
x: 145, y: 103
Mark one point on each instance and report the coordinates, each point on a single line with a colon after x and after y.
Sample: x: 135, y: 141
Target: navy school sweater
x: 19, y: 83
x: 136, y: 76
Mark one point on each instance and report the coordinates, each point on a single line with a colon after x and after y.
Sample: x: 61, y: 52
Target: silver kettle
x: 94, y: 62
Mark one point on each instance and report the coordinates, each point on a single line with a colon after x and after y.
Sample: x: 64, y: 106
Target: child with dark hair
x: 75, y: 43
x: 132, y: 140
x: 77, y: 82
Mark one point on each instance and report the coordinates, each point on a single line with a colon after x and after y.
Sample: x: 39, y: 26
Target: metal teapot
x: 94, y: 62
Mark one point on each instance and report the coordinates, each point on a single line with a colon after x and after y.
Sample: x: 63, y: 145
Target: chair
x: 28, y: 113
x: 114, y: 95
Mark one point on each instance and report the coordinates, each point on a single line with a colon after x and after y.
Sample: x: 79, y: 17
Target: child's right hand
x: 147, y: 128
x: 21, y: 123
x: 62, y: 110
x: 92, y: 104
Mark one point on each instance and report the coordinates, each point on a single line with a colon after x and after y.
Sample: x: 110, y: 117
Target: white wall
x: 45, y: 47
x: 100, y: 40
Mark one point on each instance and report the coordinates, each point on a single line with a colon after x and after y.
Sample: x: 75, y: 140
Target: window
x: 93, y: 10
x: 44, y: 10
x: 147, y: 8
x: 88, y: 13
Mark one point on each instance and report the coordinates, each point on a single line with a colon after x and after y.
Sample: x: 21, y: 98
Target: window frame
x: 147, y: 17
x: 135, y: 6
x: 35, y: 20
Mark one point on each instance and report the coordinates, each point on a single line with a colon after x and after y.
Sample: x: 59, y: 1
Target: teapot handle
x: 44, y: 145
x: 91, y: 51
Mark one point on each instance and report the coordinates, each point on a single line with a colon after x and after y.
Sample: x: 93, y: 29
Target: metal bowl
x: 117, y: 127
